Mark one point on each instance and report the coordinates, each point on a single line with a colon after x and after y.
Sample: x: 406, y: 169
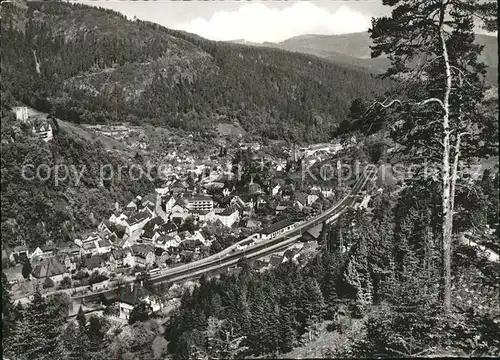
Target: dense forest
x: 382, y: 279
x: 38, y: 210
x: 380, y: 285
x: 89, y: 65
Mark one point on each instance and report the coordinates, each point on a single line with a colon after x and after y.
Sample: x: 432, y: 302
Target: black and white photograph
x: 260, y: 179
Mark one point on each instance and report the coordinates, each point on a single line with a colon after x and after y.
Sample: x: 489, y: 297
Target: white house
x: 21, y: 112
x: 203, y: 215
x: 199, y: 202
x: 118, y: 218
x: 276, y: 229
x: 167, y: 241
x: 103, y: 246
x: 168, y: 203
x: 198, y: 236
x: 144, y: 255
x: 137, y: 221
x: 228, y: 217
x: 43, y: 130
x: 245, y: 244
x: 128, y: 299
x: 101, y: 285
x: 311, y: 198
x: 120, y: 258
x: 49, y: 268
x: 103, y: 227
x: 162, y: 191
x: 275, y: 191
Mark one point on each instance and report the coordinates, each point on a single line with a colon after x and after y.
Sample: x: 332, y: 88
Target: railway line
x: 261, y: 249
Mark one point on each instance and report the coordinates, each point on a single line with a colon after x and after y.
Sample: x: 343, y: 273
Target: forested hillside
x: 382, y: 283
x: 37, y: 210
x: 89, y: 65
x: 355, y: 49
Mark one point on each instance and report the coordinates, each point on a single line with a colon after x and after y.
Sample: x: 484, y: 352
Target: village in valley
x: 229, y: 199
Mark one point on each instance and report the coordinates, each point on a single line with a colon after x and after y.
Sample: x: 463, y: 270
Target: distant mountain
x: 354, y: 49
x: 92, y: 65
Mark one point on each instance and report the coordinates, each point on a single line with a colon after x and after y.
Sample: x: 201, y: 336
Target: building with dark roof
x: 149, y: 199
x: 276, y: 229
x: 130, y: 297
x: 168, y: 229
x: 137, y: 221
x: 121, y: 258
x: 144, y: 254
x: 275, y: 260
x: 49, y: 268
x: 95, y: 263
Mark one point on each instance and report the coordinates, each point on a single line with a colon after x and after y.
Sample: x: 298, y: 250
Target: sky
x: 253, y: 21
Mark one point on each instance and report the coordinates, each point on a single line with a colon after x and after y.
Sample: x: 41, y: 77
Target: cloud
x: 256, y: 22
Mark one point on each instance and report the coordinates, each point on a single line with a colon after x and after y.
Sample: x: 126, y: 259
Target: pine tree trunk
x: 446, y: 196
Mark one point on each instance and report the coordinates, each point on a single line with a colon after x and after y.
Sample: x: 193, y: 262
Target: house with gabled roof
x: 228, y: 217
x: 122, y: 243
x: 150, y: 236
x: 67, y: 260
x: 154, y: 223
x: 149, y: 199
x: 137, y: 221
x: 49, y: 268
x: 103, y: 246
x: 151, y: 209
x: 127, y: 299
x: 95, y: 263
x: 119, y: 218
x: 203, y: 215
x: 197, y: 235
x: 18, y: 254
x: 120, y: 258
x: 168, y: 228
x: 179, y: 208
x: 44, y: 251
x: 276, y: 229
x: 144, y: 255
x: 132, y: 205
x: 243, y: 207
x: 179, y: 212
x: 167, y: 203
x: 300, y: 199
x: 167, y: 241
x: 312, y: 234
x: 161, y: 261
x: 103, y: 227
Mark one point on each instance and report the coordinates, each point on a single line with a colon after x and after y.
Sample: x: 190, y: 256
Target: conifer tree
x: 80, y: 318
x: 436, y: 121
x: 36, y: 333
x: 6, y: 306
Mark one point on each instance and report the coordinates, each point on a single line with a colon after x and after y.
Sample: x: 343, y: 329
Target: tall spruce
x: 36, y: 332
x: 430, y: 46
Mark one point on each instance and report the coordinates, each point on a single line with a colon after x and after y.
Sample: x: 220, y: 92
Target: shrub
x: 48, y: 283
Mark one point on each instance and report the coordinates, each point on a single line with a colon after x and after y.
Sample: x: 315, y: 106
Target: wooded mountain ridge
x: 354, y: 49
x: 90, y: 65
